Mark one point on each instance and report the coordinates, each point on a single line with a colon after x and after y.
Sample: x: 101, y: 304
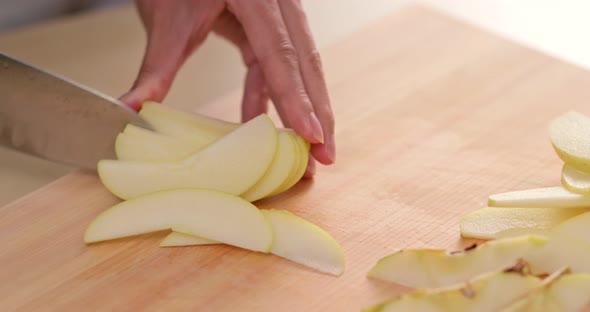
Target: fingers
x: 312, y: 74
x: 310, y: 170
x: 174, y: 29
x: 274, y: 50
x: 255, y: 99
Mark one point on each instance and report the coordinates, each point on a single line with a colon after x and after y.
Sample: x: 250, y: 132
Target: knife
x: 52, y: 117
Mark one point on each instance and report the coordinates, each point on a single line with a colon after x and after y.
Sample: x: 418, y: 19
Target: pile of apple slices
x: 547, y: 228
x: 198, y: 176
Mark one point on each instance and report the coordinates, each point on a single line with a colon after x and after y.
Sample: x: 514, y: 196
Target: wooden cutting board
x: 432, y: 117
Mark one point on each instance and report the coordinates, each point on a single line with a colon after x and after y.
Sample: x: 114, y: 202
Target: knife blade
x: 52, y: 117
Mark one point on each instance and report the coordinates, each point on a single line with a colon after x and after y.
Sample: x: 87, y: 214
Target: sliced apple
x: 564, y: 293
x: 209, y: 214
x: 177, y: 239
x: 569, y: 137
x: 176, y: 122
x: 575, y: 181
x: 303, y: 242
x: 487, y: 222
x: 488, y: 292
x: 295, y: 239
x: 303, y: 153
x: 431, y: 268
x: 578, y: 227
x: 559, y: 251
x: 233, y: 164
x: 547, y: 197
x: 278, y: 171
x: 147, y: 146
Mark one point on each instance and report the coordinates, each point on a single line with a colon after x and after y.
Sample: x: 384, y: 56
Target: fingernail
x: 331, y: 149
x: 316, y: 127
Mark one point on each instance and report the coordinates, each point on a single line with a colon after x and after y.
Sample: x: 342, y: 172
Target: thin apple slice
x: 487, y: 222
x: 578, y: 227
x: 575, y: 181
x: 431, y: 268
x: 278, y: 171
x: 560, y: 250
x: 295, y: 239
x: 176, y: 122
x: 488, y: 292
x: 303, y: 242
x: 303, y: 151
x: 177, y: 239
x: 547, y: 197
x: 564, y: 293
x: 209, y: 214
x: 232, y: 164
x: 150, y: 146
x: 569, y: 137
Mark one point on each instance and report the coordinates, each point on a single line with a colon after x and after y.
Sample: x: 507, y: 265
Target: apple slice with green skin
x: 232, y: 164
x: 487, y: 222
x: 295, y: 239
x: 575, y: 181
x: 564, y: 293
x: 569, y: 137
x: 210, y: 214
x: 488, y: 292
x: 177, y: 239
x: 431, y: 268
x: 176, y: 122
x: 278, y: 171
x: 547, y: 197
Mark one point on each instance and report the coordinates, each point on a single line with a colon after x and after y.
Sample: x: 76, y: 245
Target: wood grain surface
x: 432, y: 116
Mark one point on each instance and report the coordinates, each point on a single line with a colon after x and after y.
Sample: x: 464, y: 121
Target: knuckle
x: 314, y: 60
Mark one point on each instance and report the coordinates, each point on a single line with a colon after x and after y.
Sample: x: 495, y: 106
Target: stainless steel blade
x: 52, y: 117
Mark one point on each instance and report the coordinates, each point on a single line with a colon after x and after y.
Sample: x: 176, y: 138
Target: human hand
x: 276, y: 46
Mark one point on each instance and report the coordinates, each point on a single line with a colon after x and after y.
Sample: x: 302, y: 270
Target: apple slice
x: 560, y: 250
x: 578, y: 227
x: 575, y: 181
x: 232, y: 164
x: 488, y: 292
x: 305, y: 243
x: 295, y: 239
x: 569, y: 137
x: 303, y: 153
x: 147, y: 146
x: 177, y: 239
x: 562, y: 293
x: 430, y: 268
x: 176, y: 122
x: 487, y: 222
x: 547, y: 197
x: 210, y: 214
x: 278, y: 171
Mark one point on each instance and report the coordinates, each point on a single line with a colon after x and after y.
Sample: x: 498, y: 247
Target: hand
x: 276, y: 46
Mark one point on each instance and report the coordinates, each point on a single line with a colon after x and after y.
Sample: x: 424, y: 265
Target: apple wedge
x: 295, y: 239
x: 175, y: 122
x: 177, y: 239
x: 233, y: 164
x: 302, y: 151
x: 562, y: 293
x: 547, y: 197
x: 209, y: 214
x: 578, y: 227
x: 575, y: 181
x: 278, y: 172
x: 569, y: 137
x: 431, y: 268
x: 487, y: 222
x: 147, y: 146
x: 560, y: 250
x: 488, y: 292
